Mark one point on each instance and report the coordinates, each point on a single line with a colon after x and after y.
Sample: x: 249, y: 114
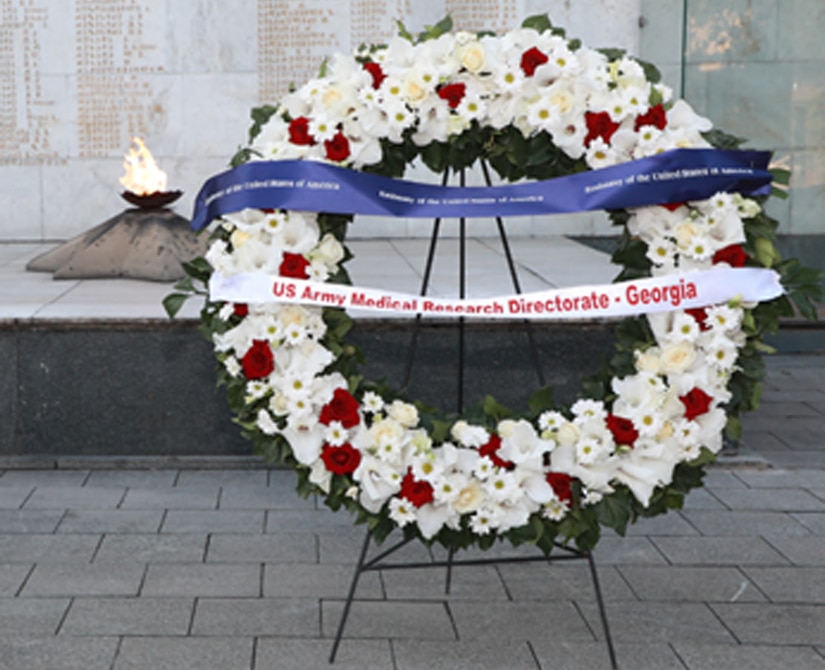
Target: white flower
x: 404, y: 413
x: 335, y: 434
x: 402, y: 511
x: 470, y: 436
x: 371, y: 402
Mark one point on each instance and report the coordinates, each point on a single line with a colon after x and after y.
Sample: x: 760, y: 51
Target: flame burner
x: 155, y: 200
x: 147, y: 241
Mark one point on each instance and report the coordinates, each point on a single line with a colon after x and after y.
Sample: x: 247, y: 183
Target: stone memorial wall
x: 79, y: 78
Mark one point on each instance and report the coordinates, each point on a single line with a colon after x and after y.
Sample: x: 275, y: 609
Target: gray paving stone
x: 44, y: 478
x: 190, y: 497
x: 308, y: 580
x: 12, y: 578
x: 110, y: 521
x: 779, y: 406
x: 84, y: 580
x: 13, y: 497
x: 809, y: 550
x: 132, y: 479
x: 467, y: 583
x: 702, y: 499
x: 274, y: 548
x: 307, y: 521
x: 31, y: 616
x: 281, y: 617
x: 791, y: 460
x: 690, y: 584
x: 671, y: 523
x: 744, y: 523
x: 717, y: 479
x: 29, y: 521
x: 223, y: 477
x: 774, y: 624
x: 519, y: 621
x: 562, y: 655
x: 493, y: 654
x: 790, y: 585
x: 652, y: 622
x: 128, y: 616
x: 197, y: 579
x: 64, y: 497
x: 388, y: 619
x: 35, y: 548
x: 264, y: 497
x: 772, y: 478
x: 297, y: 654
x: 562, y: 581
x: 719, y: 551
x: 761, y: 441
x: 168, y: 653
x: 181, y: 548
x: 813, y: 521
x: 782, y: 500
x: 612, y: 550
x: 736, y: 657
x: 344, y: 546
x: 213, y: 521
x: 22, y: 652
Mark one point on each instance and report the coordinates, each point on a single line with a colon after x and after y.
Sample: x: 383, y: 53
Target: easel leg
x: 350, y: 596
x: 602, y: 611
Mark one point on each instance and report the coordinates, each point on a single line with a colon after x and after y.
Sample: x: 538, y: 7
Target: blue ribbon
x: 673, y: 176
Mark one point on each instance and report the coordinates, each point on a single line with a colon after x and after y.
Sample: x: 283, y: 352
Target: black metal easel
x: 376, y: 563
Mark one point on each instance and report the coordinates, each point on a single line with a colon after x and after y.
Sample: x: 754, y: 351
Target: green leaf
x: 541, y: 400
x: 539, y: 22
x: 444, y: 26
x: 494, y: 409
x: 173, y: 302
x: 403, y: 32
x: 322, y: 70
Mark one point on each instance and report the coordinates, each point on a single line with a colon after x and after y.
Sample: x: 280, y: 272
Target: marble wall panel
x: 20, y: 200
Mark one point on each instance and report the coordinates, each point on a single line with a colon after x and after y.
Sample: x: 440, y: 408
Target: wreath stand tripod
x: 377, y: 562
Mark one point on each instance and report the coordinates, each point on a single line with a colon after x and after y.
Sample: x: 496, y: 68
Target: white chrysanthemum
x: 402, y: 511
x: 371, y: 402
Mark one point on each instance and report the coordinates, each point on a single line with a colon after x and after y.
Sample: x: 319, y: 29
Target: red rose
x: 624, y: 432
x: 655, y: 116
x: 561, y: 485
x: 294, y: 265
x: 672, y: 206
x: 490, y: 450
x: 343, y: 407
x: 734, y: 255
x: 337, y: 148
x: 377, y: 73
x: 696, y: 403
x: 240, y: 309
x: 419, y: 493
x: 258, y: 361
x: 599, y: 124
x: 700, y: 315
x: 531, y: 59
x: 453, y: 94
x: 299, y: 131
x: 343, y: 460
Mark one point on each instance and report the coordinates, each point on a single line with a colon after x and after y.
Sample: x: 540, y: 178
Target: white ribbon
x: 644, y: 296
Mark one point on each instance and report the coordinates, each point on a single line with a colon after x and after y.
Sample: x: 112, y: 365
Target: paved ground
x: 104, y: 569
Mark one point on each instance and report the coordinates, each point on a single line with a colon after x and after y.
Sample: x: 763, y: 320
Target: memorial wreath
x: 535, y: 106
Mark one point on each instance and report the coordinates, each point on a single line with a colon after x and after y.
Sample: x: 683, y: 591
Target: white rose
x: 471, y: 56
x: 329, y: 250
x: 677, y: 357
x: 469, y: 499
x: 567, y: 435
x: 403, y: 413
x: 648, y: 361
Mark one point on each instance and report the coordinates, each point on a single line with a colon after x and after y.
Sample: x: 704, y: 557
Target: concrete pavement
x: 106, y: 568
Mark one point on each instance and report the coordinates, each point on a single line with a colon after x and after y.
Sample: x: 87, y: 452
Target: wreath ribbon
x: 644, y: 296
x: 672, y: 176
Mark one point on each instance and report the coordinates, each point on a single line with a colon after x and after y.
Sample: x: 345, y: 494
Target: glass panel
x: 756, y: 68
